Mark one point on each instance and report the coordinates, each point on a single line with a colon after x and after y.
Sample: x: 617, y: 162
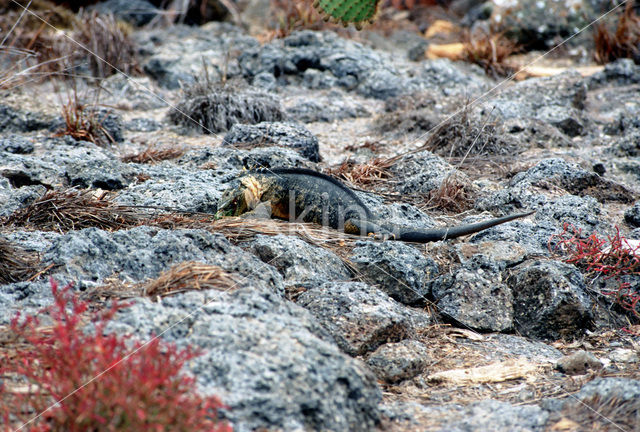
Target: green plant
x: 613, y: 257
x: 357, y: 12
x: 63, y: 378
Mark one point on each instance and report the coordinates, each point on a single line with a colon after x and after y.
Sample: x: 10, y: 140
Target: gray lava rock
x: 351, y: 65
x: 558, y: 100
x: 176, y: 58
x: 226, y: 160
x: 14, y: 120
x: 361, y: 317
x: 16, y: 144
x: 573, y: 179
x: 13, y: 199
x: 622, y: 71
x: 298, y: 261
x: 33, y: 169
x: 288, y: 135
x: 90, y: 255
x: 214, y: 109
x: 421, y: 172
x: 142, y: 125
x: 396, y: 268
x: 541, y: 24
x: 136, y: 12
x: 476, y: 295
x: 578, y: 363
x: 497, y: 416
x: 325, y: 107
x: 394, y: 362
x: 629, y: 144
x: 632, y: 215
x: 267, y: 359
x: 550, y: 301
x: 187, y: 190
x: 107, y: 174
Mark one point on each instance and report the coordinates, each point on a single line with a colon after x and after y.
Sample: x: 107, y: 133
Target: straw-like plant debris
x: 188, y: 276
x: 455, y: 193
x: 624, y: 42
x: 373, y: 172
x: 108, y: 39
x: 153, y: 154
x: 16, y: 264
x: 490, y: 51
x: 72, y: 209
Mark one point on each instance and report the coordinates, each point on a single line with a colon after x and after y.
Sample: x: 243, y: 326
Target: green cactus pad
x: 357, y: 12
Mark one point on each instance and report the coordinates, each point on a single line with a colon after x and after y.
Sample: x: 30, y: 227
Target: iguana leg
x: 362, y: 227
x: 261, y: 211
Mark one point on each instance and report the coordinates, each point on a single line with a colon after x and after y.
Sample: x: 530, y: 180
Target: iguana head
x: 240, y: 198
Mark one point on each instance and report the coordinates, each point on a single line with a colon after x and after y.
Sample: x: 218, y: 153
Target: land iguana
x: 316, y: 197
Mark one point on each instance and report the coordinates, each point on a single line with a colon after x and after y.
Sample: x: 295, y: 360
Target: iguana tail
x: 425, y: 236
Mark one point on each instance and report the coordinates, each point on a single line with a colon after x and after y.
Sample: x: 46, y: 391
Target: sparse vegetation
x: 83, y: 122
x: 624, y: 42
x: 614, y: 257
x: 363, y: 174
x: 65, y: 210
x: 153, y: 154
x: 212, y: 108
x: 454, y: 194
x: 490, y: 50
x: 16, y: 264
x: 62, y: 378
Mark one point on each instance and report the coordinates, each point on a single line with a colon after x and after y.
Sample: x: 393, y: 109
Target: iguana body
x: 321, y: 199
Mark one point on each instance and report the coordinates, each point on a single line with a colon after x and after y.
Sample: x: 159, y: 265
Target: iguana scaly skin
x: 321, y: 199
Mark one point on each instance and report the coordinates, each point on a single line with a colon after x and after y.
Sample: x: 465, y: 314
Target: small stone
x: 394, y: 362
x: 578, y: 363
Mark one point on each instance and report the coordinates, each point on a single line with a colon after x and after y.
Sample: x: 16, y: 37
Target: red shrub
x: 91, y: 381
x: 613, y: 257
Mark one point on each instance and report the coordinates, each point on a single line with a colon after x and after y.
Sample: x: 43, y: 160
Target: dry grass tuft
x: 211, y: 108
x: 16, y: 264
x: 82, y: 122
x: 365, y: 174
x: 109, y: 41
x: 490, y: 51
x: 153, y: 154
x: 600, y: 414
x: 623, y: 43
x: 463, y: 136
x: 455, y: 194
x: 71, y: 209
x: 189, y: 276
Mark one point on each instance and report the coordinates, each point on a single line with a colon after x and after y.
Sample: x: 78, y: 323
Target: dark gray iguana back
x: 324, y: 200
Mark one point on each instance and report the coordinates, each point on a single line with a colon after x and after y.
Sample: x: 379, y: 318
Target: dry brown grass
x: 490, y: 50
x: 455, y: 194
x: 624, y: 42
x: 16, y: 264
x: 153, y: 154
x: 366, y: 174
x: 72, y: 209
x: 189, y: 276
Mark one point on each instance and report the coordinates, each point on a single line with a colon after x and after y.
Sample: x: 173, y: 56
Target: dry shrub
x: 623, y: 43
x: 490, y: 51
x: 83, y: 122
x: 462, y: 136
x: 293, y: 15
x: 16, y: 264
x: 454, y: 194
x: 111, y: 47
x: 212, y: 108
x: 71, y: 209
x: 153, y: 154
x: 188, y: 276
x: 365, y: 174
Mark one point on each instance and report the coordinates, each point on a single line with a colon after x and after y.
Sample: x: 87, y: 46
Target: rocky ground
x: 320, y: 330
